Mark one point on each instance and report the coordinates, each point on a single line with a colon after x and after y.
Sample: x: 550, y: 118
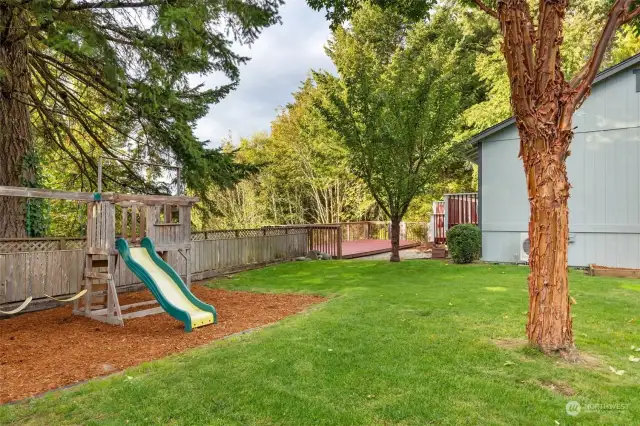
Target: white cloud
x: 280, y: 60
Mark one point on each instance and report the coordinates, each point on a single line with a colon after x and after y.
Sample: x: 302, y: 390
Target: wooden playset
x: 163, y: 222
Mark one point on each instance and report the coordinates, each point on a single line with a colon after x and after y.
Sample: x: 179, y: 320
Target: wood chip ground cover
x: 49, y: 349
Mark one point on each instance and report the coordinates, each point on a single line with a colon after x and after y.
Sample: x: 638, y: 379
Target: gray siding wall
x: 604, y: 171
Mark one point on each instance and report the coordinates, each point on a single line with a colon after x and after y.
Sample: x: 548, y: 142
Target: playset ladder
x: 100, y: 302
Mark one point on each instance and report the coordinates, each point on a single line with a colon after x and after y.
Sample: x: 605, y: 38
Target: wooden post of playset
x: 101, y: 299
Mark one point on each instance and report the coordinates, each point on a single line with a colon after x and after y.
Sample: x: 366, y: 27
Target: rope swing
x: 70, y: 299
x: 19, y: 308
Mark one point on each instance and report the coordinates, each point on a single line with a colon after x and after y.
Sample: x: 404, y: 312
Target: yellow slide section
x: 168, y: 288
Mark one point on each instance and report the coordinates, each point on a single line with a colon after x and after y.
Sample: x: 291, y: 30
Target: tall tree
x: 316, y: 160
x: 395, y: 104
x: 94, y: 74
x: 543, y: 101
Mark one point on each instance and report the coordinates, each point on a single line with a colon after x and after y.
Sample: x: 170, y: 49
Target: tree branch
x: 618, y: 16
x: 67, y: 7
x: 63, y: 95
x: 551, y: 18
x: 486, y: 8
x: 92, y: 80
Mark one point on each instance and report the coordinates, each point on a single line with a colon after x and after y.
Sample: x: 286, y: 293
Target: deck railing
x: 461, y: 209
x: 380, y: 230
x: 454, y: 210
x: 326, y: 239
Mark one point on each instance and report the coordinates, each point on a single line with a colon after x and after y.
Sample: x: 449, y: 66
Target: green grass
x: 408, y: 343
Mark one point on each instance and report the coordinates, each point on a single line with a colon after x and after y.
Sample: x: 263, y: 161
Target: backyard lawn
x: 419, y: 342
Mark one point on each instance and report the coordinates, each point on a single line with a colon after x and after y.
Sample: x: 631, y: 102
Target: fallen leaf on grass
x: 618, y: 372
x: 633, y: 358
x: 509, y: 363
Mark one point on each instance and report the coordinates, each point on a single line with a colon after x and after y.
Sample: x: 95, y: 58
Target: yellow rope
x: 19, y: 308
x: 71, y: 299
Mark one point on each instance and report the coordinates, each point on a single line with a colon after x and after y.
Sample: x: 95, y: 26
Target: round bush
x: 464, y: 243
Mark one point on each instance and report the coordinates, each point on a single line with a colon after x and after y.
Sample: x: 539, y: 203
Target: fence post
x: 340, y: 241
x: 446, y: 215
x: 310, y: 234
x: 63, y: 244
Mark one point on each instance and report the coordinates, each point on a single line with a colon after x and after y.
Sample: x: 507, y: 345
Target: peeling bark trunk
x: 549, y: 323
x: 15, y: 137
x: 395, y: 240
x: 543, y: 104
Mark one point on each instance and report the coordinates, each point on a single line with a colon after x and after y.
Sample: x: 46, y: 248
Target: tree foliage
x: 304, y: 175
x: 395, y: 103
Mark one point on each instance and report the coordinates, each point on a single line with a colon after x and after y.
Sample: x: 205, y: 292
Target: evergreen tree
x: 111, y: 77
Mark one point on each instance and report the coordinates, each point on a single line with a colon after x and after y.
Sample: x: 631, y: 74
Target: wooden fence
x: 35, y: 267
x: 12, y: 245
x: 379, y: 230
x: 55, y: 266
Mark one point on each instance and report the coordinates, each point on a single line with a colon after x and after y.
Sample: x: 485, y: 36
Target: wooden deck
x: 361, y: 248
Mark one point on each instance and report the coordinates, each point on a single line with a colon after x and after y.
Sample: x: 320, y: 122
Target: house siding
x: 603, y: 169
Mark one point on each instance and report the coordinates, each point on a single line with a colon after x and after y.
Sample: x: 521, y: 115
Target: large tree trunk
x: 15, y: 138
x: 549, y: 323
x: 395, y: 239
x: 543, y: 104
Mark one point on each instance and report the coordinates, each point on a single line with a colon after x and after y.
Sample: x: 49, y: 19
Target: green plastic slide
x: 166, y: 285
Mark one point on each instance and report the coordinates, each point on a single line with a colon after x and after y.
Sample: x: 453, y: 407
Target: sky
x: 281, y: 59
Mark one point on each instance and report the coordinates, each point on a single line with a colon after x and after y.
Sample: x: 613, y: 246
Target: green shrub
x: 464, y: 243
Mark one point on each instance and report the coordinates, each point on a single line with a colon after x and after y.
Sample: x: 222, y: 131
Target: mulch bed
x: 49, y: 349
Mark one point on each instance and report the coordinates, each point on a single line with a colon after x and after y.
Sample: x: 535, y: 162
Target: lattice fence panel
x: 198, y: 236
x: 296, y: 231
x: 230, y: 234
x: 76, y: 244
x: 39, y: 244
